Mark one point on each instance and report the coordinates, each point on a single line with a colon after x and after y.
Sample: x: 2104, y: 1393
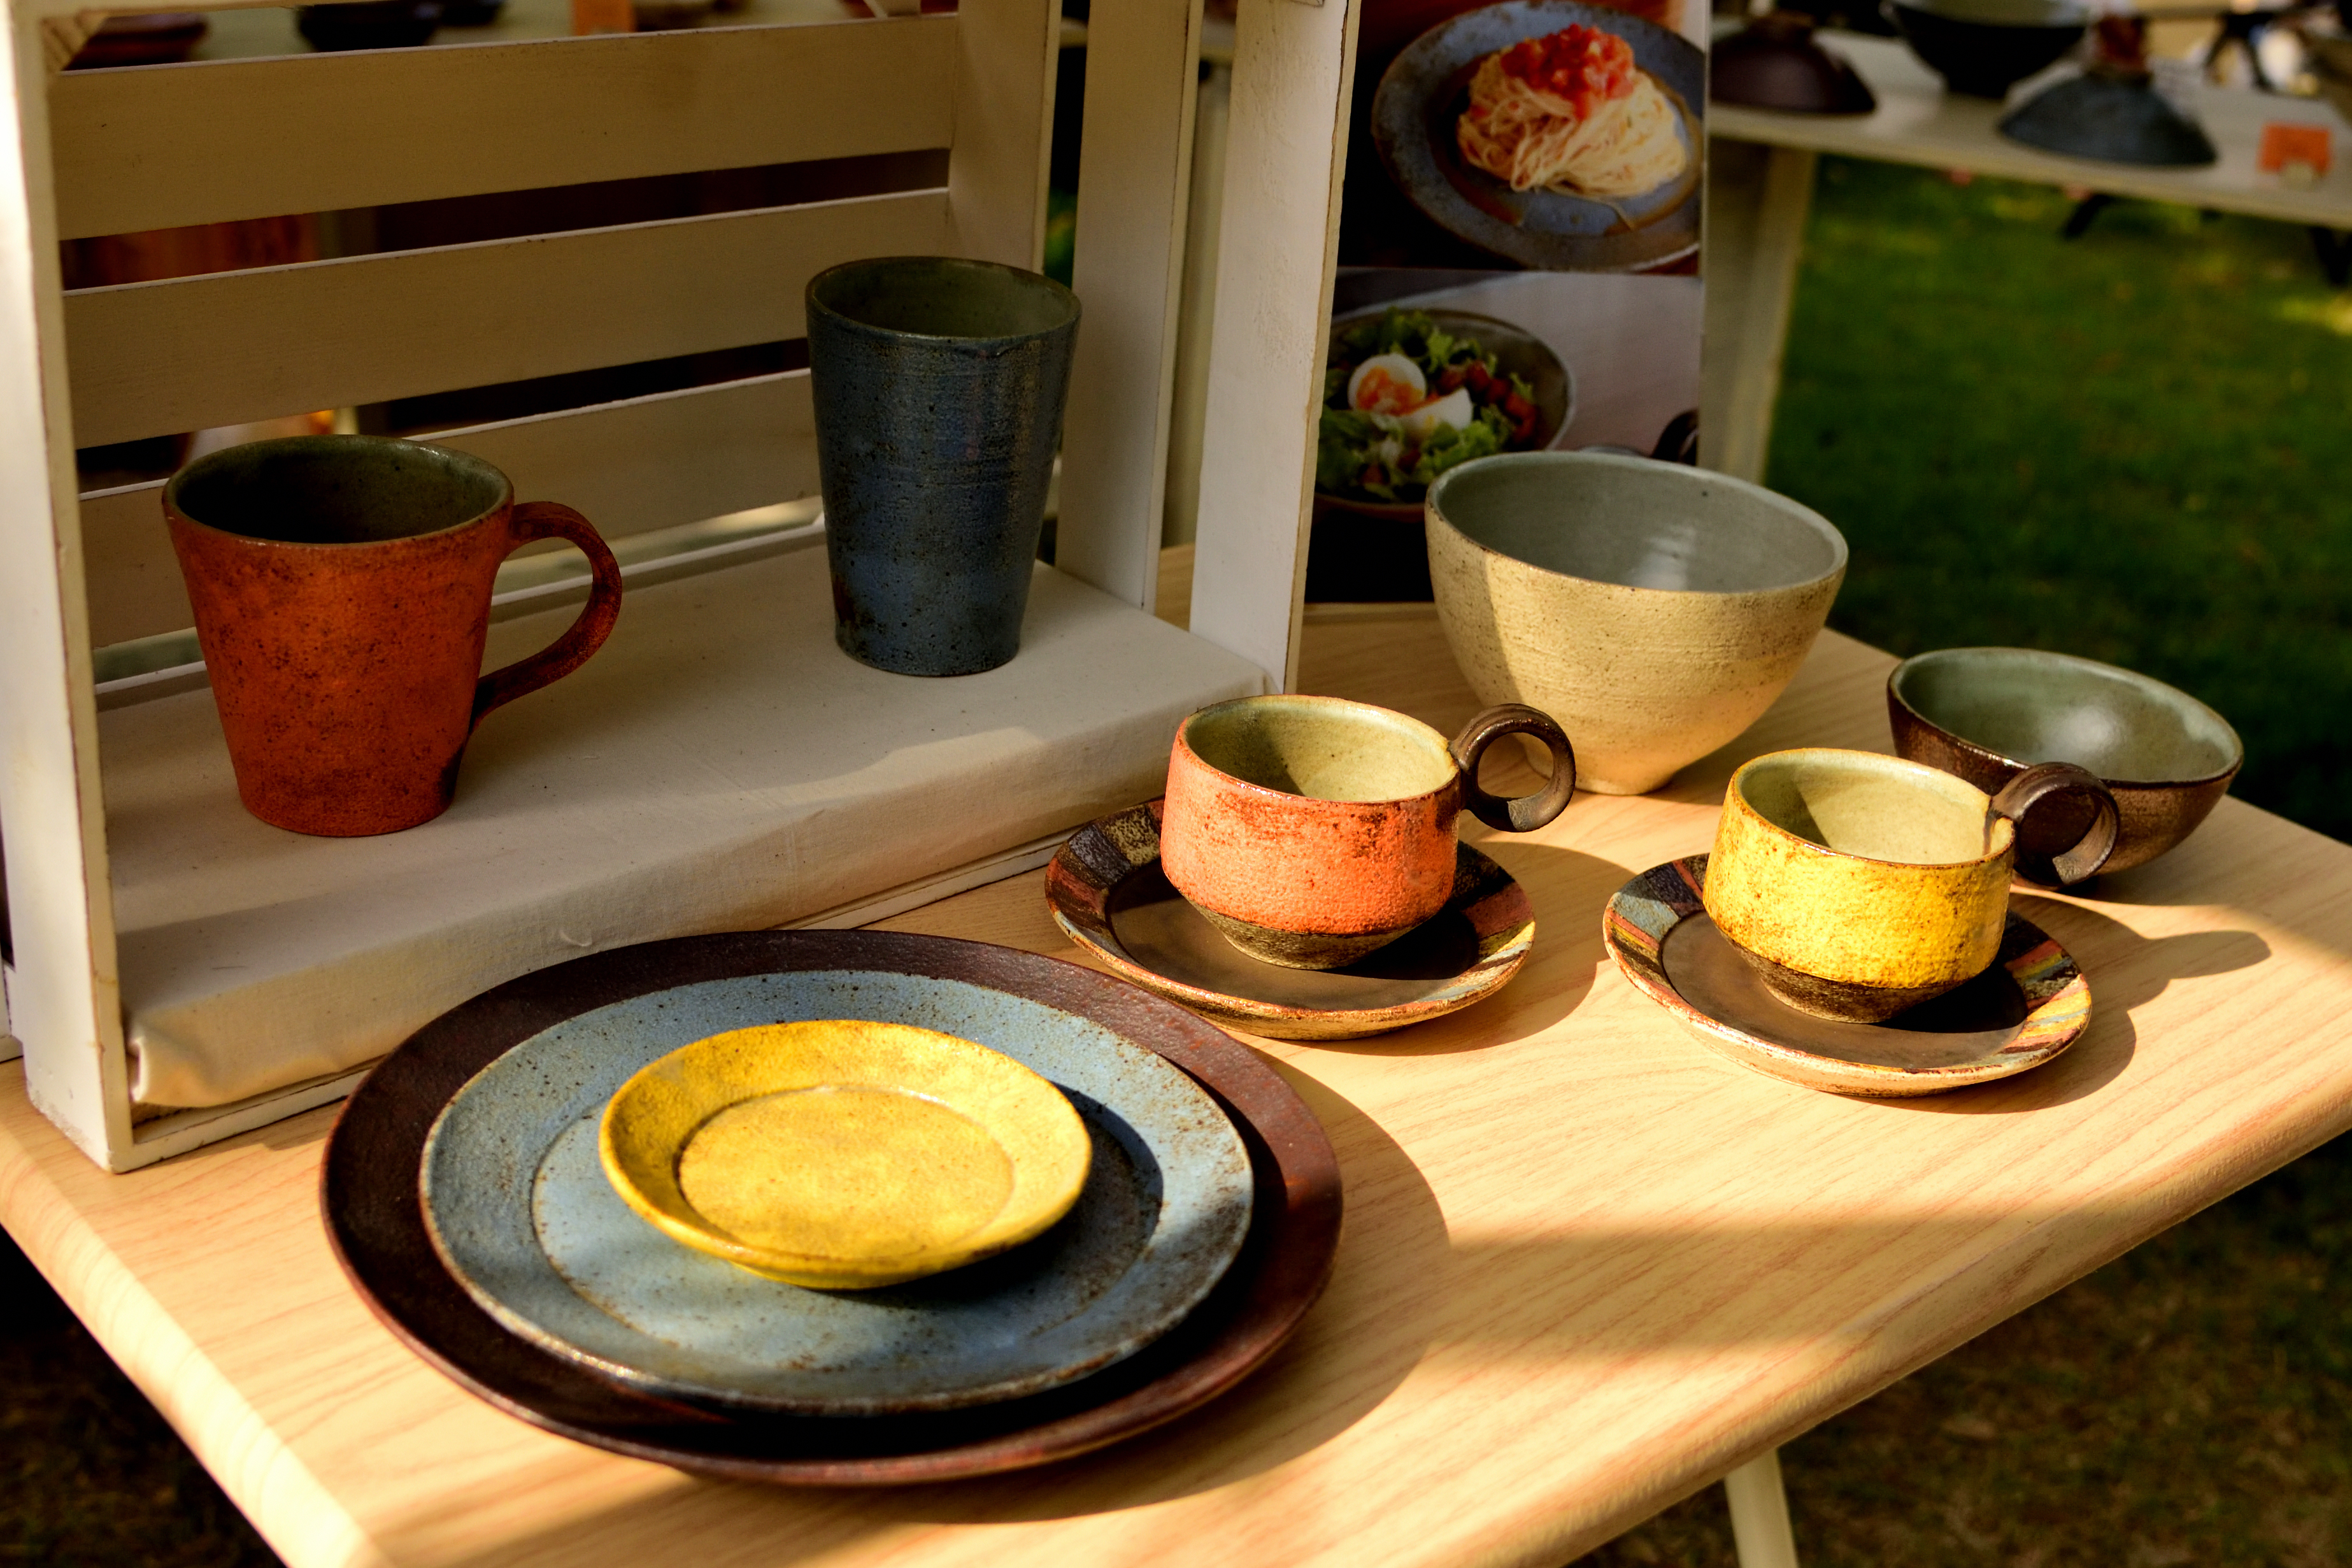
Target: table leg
x: 1759, y: 1513
x: 2334, y: 253
x: 1757, y: 200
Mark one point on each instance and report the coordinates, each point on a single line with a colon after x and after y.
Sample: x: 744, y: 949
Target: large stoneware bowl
x: 1655, y: 610
x: 1988, y: 713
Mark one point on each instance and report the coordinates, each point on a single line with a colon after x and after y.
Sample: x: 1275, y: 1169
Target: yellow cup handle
x: 2035, y: 784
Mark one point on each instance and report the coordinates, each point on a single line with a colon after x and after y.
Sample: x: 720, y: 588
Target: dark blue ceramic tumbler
x: 939, y: 386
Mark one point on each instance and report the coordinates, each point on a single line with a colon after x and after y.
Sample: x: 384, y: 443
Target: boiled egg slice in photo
x: 1453, y: 411
x: 1387, y: 383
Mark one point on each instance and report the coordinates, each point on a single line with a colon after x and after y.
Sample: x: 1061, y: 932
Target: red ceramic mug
x: 1312, y: 831
x: 341, y: 586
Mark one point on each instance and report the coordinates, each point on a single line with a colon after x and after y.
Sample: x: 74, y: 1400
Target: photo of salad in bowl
x: 1409, y: 393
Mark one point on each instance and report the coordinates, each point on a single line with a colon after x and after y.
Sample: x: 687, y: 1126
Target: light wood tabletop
x: 1587, y: 1266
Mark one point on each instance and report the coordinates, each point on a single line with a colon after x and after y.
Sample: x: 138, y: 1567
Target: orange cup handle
x: 538, y: 519
x: 1528, y: 813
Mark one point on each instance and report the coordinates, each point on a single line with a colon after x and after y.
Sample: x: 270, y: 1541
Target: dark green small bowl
x: 1990, y: 713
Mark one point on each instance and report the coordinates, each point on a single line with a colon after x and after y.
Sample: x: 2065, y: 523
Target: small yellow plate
x: 844, y: 1155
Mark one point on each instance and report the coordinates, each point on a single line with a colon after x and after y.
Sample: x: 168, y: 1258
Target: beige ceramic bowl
x: 1655, y: 610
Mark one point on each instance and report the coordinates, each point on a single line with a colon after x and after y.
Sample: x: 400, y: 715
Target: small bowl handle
x: 1530, y: 812
x: 2035, y: 784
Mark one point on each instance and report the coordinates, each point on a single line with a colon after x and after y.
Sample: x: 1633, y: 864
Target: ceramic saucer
x: 2029, y: 1006
x: 520, y: 1211
x: 1109, y: 894
x: 840, y: 1153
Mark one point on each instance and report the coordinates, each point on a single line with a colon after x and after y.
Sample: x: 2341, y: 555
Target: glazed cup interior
x: 1880, y: 808
x: 336, y: 490
x: 943, y: 297
x: 1637, y: 523
x: 1321, y: 750
x: 2033, y: 707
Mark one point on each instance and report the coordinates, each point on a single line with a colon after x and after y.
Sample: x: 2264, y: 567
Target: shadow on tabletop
x: 1568, y: 889
x: 2125, y: 970
x: 1274, y: 1416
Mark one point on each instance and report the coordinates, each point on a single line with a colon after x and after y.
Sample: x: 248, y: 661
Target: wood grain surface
x: 188, y: 353
x: 312, y: 132
x: 754, y: 443
x: 1587, y: 1266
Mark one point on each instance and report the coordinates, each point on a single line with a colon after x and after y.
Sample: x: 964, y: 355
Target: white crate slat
x: 65, y: 995
x: 754, y: 442
x: 1004, y: 78
x: 143, y: 148
x: 1130, y: 273
x: 794, y: 780
x: 1286, y: 147
x: 226, y: 348
x: 63, y: 1000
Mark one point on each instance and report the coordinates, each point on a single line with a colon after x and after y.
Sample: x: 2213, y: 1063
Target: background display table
x: 1587, y: 1266
x: 1760, y: 183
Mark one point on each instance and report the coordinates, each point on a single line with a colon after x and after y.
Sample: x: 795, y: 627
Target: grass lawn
x: 2127, y: 447
x: 2133, y: 447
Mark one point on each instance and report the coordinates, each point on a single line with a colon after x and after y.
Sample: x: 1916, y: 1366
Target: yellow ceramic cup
x: 1858, y: 885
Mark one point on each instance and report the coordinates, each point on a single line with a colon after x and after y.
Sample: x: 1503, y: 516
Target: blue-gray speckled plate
x: 521, y: 1213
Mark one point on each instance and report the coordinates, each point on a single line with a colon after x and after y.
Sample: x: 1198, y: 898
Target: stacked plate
x: 466, y: 1196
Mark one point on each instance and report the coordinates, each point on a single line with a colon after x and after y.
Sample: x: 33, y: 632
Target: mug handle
x: 536, y: 519
x: 1528, y: 813
x: 2029, y: 789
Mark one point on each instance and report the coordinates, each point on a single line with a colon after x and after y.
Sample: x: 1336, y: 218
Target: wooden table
x: 1760, y: 181
x: 1587, y: 1266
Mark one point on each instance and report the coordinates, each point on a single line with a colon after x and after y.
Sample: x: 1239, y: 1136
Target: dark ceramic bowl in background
x: 375, y: 24
x: 2114, y: 117
x: 1774, y: 63
x: 154, y: 39
x: 1988, y: 713
x: 1983, y: 48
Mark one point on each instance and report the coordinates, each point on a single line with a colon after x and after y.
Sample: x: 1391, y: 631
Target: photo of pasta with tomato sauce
x: 1571, y: 112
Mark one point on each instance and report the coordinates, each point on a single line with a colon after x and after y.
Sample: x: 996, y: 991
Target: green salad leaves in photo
x: 1381, y: 454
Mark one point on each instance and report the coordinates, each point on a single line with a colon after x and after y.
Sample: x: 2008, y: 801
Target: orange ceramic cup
x: 341, y: 586
x: 1312, y: 831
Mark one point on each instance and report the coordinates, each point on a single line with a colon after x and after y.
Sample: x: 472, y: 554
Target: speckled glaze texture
x: 2024, y: 1010
x: 1915, y: 907
x: 938, y: 387
x: 1655, y: 610
x: 1988, y: 713
x: 341, y: 589
x: 856, y: 1153
x: 1336, y: 866
x: 373, y: 1211
x: 1295, y: 825
x: 521, y: 1213
x: 1108, y: 891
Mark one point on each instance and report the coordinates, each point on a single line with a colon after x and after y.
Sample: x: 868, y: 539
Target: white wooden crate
x: 139, y: 900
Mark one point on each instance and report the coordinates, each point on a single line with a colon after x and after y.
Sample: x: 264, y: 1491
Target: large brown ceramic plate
x: 376, y: 1223
x: 1106, y: 890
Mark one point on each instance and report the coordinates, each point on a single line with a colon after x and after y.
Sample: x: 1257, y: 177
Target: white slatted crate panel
x: 720, y: 763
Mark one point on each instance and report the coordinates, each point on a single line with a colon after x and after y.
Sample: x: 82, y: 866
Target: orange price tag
x: 603, y: 16
x: 2281, y: 145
